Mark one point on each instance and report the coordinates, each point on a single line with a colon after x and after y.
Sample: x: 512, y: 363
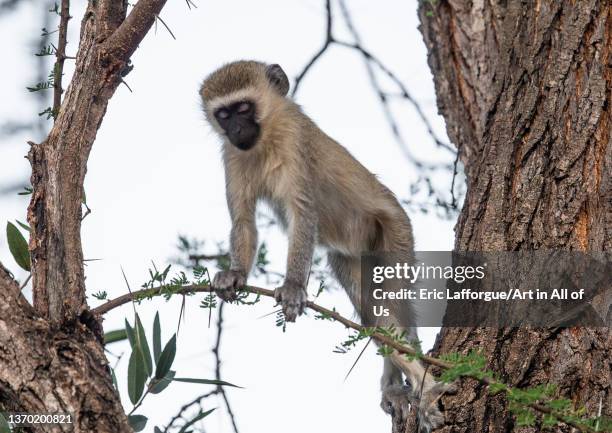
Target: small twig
x: 369, y: 57
x: 216, y: 352
x: 25, y: 283
x: 186, y: 406
x: 197, y: 257
x: 326, y: 44
x: 60, y: 55
x: 218, y: 390
x: 139, y: 402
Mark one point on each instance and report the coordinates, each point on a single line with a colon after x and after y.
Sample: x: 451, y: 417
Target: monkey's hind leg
x: 422, y: 390
x: 397, y: 396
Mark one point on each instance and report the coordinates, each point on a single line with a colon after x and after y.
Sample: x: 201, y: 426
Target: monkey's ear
x: 278, y: 78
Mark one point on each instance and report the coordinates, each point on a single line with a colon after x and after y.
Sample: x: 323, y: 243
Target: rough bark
x: 51, y: 355
x: 48, y: 370
x: 524, y: 88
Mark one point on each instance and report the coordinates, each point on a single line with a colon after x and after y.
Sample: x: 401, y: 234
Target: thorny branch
x: 332, y: 314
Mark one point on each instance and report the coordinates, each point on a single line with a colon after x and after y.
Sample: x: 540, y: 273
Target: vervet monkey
x: 321, y: 195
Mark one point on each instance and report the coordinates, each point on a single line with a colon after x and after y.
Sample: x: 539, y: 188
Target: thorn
x: 127, y: 85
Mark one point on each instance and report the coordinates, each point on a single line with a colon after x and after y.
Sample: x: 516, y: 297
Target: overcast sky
x: 155, y: 172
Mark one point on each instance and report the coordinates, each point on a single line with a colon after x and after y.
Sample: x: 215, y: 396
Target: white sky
x: 155, y: 172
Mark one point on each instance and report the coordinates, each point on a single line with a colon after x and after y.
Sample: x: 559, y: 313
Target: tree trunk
x: 51, y: 355
x: 525, y: 92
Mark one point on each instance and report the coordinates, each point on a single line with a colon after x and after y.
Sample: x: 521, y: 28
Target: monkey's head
x: 239, y: 96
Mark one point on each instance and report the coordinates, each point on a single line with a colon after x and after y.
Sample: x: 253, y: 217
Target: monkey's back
x: 356, y: 212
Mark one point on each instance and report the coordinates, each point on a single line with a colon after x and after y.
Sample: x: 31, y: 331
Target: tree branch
x: 60, y: 55
x: 59, y: 163
x: 332, y: 314
x: 326, y: 44
x: 124, y: 41
x: 54, y: 359
x: 146, y: 293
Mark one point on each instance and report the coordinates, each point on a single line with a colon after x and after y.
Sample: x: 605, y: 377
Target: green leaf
x: 137, y: 422
x: 137, y: 375
x: 27, y: 190
x: 114, y: 377
x: 496, y: 387
x: 197, y: 418
x: 205, y: 381
x: 4, y: 426
x: 130, y: 333
x: 18, y: 246
x: 166, y: 358
x: 525, y: 418
x: 549, y: 420
x: 24, y: 226
x: 560, y: 404
x: 156, y: 338
x: 114, y: 336
x: 141, y: 338
x: 158, y: 385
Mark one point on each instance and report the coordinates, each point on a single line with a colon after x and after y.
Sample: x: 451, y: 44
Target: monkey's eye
x: 222, y: 114
x: 244, y: 107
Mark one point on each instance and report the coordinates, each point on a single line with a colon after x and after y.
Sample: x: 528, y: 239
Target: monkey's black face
x: 238, y: 122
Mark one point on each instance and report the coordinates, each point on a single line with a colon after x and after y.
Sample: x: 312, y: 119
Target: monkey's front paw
x: 225, y: 284
x: 292, y: 296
